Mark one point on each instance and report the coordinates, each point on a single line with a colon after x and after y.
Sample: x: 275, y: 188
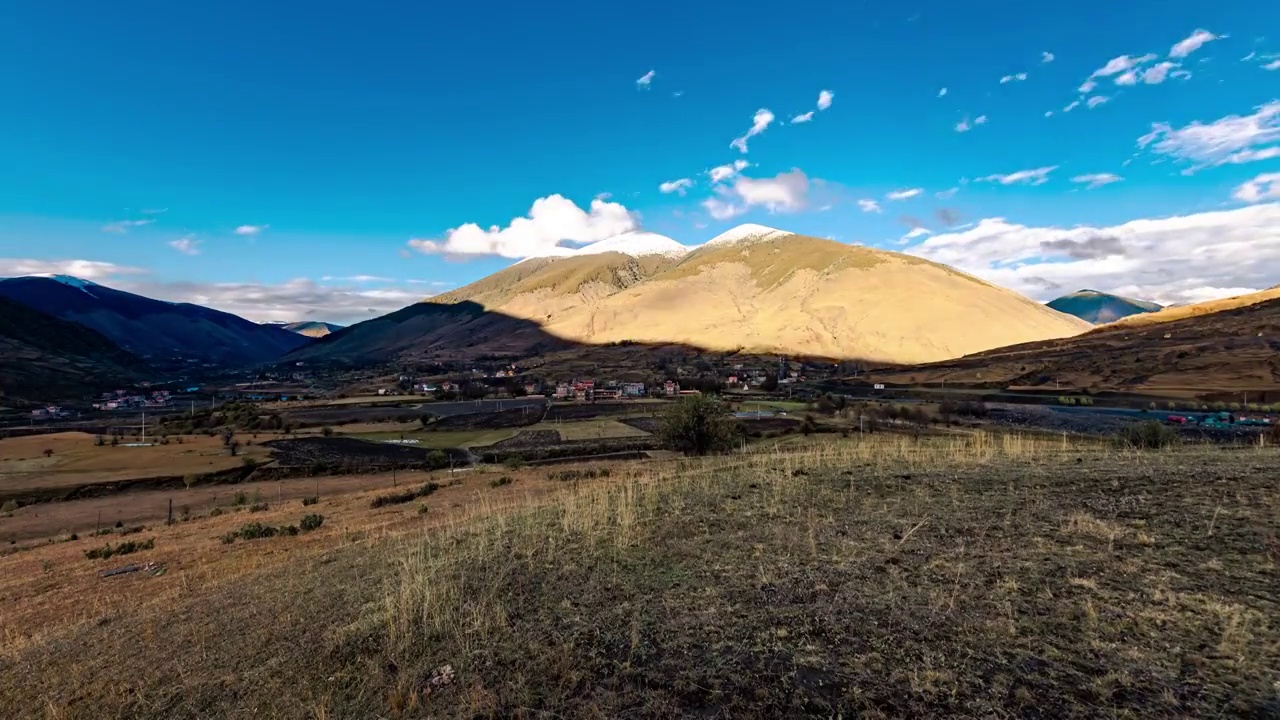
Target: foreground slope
x: 153, y: 328
x: 44, y: 358
x: 754, y: 289
x: 1220, y: 350
x: 1099, y: 307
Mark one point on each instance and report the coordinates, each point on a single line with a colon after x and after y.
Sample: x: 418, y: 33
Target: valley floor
x: 966, y: 576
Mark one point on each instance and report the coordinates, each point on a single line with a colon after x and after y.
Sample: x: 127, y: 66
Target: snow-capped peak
x: 748, y: 232
x: 636, y: 244
x: 74, y: 282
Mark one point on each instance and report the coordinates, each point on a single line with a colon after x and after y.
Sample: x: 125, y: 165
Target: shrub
x: 240, y: 499
x: 124, y: 548
x: 1147, y: 435
x: 102, y: 531
x: 437, y: 459
x: 422, y: 509
x: 499, y: 482
x: 215, y: 512
x: 404, y: 496
x: 258, y: 507
x: 249, y: 463
x: 513, y: 462
x: 1273, y: 434
x: 326, y: 431
x: 131, y: 530
x: 251, y: 531
x: 698, y: 425
x: 310, y: 500
x: 9, y: 506
x: 311, y: 522
x: 189, y: 480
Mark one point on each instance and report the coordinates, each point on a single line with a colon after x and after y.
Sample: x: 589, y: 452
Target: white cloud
x: 1096, y: 180
x: 1071, y: 106
x: 83, y: 269
x: 980, y: 120
x: 1233, y: 139
x: 1128, y: 78
x: 1097, y: 100
x: 187, y: 245
x: 1046, y: 57
x: 1120, y: 64
x: 802, y: 118
x: 1048, y: 113
x: 963, y: 126
x: 785, y: 192
x: 759, y: 122
x: 1037, y: 176
x: 551, y: 221
x: 645, y: 80
x: 824, y: 99
x: 297, y: 299
x: 1192, y: 43
x: 869, y: 206
x: 906, y: 194
x: 724, y: 172
x: 1087, y: 86
x: 675, y: 186
x: 251, y: 229
x: 917, y: 232
x: 372, y: 279
x: 1273, y: 65
x: 1010, y: 78
x: 947, y: 194
x: 1167, y: 260
x: 1157, y: 73
x: 942, y: 92
x: 123, y: 226
x: 1263, y: 187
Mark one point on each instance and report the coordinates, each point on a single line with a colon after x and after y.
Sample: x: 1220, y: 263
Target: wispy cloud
x: 721, y: 173
x: 1263, y: 187
x: 785, y: 192
x: 1019, y: 77
x: 1096, y: 180
x: 83, y: 269
x: 963, y: 126
x: 1047, y: 57
x: 1273, y: 65
x: 942, y: 92
x: 802, y: 118
x: 251, y: 230
x: 1097, y: 100
x: 759, y: 123
x: 1037, y: 176
x: 371, y: 279
x: 122, y: 226
x: 905, y: 194
x: 947, y: 194
x: 187, y: 245
x: 675, y: 186
x: 1192, y: 43
x: 646, y: 80
x: 869, y: 206
x: 1231, y: 140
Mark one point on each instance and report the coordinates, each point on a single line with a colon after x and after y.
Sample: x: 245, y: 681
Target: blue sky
x: 141, y: 136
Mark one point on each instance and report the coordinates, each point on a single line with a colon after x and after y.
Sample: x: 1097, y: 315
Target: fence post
x: 170, y: 520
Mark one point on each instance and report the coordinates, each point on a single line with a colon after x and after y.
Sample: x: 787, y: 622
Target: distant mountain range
x: 310, y: 328
x: 753, y: 288
x: 153, y: 330
x: 1099, y: 307
x: 45, y: 358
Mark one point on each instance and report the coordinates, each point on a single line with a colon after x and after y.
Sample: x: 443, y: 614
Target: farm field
x: 75, y: 459
x: 590, y: 429
x: 441, y: 438
x: 968, y: 575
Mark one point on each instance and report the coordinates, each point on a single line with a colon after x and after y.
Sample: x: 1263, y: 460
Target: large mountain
x: 153, y: 329
x: 1224, y: 349
x: 1099, y: 307
x: 310, y: 328
x: 44, y: 358
x: 753, y: 289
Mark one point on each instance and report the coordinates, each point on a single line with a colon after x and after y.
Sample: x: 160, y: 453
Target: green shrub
x: 251, y: 531
x: 698, y: 425
x: 1147, y: 435
x: 258, y: 507
x: 9, y: 506
x: 513, y: 462
x: 423, y: 509
x: 215, y: 512
x: 310, y: 500
x: 499, y: 482
x: 124, y: 548
x: 311, y: 522
x: 404, y: 496
x: 240, y: 499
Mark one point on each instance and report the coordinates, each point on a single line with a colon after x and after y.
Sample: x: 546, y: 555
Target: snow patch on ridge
x: 636, y: 244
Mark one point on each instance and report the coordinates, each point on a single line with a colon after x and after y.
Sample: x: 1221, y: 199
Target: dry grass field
x: 961, y: 576
x: 76, y: 460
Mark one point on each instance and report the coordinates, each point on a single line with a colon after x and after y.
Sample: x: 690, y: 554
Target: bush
x: 698, y: 425
x: 311, y: 522
x: 499, y: 482
x: 326, y: 431
x: 9, y: 506
x: 215, y: 512
x: 124, y: 548
x: 240, y: 499
x: 1147, y: 435
x: 310, y: 500
x: 422, y: 509
x: 404, y: 496
x: 258, y: 507
x: 513, y: 462
x: 436, y: 460
x: 251, y: 531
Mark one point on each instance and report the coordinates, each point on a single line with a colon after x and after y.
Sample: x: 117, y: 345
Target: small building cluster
x: 123, y: 400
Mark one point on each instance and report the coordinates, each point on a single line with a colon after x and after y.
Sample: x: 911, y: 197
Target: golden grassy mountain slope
x: 777, y: 292
x: 1182, y: 312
